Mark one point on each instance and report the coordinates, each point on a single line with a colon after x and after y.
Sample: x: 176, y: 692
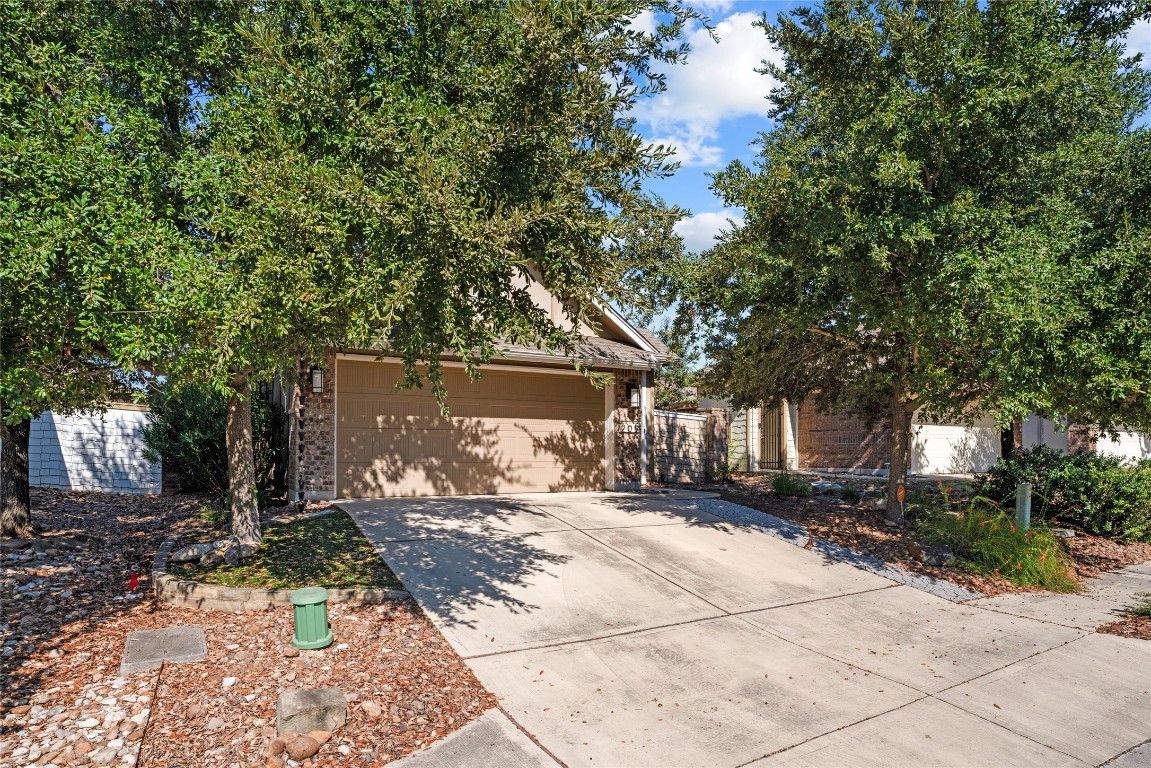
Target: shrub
x: 985, y: 540
x: 1099, y: 494
x: 790, y: 485
x: 188, y: 431
x: 850, y: 494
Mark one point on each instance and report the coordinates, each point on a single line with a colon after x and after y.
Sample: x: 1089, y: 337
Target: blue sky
x: 715, y: 106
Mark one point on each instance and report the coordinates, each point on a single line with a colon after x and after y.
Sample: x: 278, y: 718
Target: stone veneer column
x: 626, y: 431
x: 317, y: 470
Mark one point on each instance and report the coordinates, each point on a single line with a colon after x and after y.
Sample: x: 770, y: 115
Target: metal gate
x: 771, y: 454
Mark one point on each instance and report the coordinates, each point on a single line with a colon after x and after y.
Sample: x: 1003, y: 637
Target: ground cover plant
x: 327, y: 551
x: 987, y: 541
x: 789, y: 485
x: 1099, y: 494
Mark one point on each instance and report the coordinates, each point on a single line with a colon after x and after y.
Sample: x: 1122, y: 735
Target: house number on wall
x: 629, y: 426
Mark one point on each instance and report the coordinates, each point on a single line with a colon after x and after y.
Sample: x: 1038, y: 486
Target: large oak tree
x: 926, y: 213
x: 377, y: 174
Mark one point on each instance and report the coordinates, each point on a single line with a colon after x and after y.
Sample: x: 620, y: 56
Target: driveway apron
x: 638, y: 630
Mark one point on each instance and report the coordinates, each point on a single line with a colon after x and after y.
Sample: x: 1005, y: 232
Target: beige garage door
x: 510, y: 432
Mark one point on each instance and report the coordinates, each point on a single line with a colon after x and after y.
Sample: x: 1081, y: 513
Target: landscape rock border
x: 183, y: 593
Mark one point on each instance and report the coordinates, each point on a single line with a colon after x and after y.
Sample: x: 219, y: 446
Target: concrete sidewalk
x: 640, y: 630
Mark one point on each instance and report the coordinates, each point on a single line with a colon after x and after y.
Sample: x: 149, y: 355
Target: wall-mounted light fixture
x: 633, y: 395
x: 317, y: 376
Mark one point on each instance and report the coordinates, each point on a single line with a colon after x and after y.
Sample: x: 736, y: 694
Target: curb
x: 214, y: 597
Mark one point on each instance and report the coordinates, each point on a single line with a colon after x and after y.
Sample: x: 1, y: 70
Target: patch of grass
x: 1141, y: 608
x: 985, y: 540
x: 326, y: 551
x: 790, y: 485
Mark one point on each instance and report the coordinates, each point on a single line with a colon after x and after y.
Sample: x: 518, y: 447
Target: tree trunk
x: 901, y: 413
x: 15, y: 494
x: 242, y: 465
x: 1011, y: 440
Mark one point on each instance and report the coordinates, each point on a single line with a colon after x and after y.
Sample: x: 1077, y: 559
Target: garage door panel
x: 510, y: 432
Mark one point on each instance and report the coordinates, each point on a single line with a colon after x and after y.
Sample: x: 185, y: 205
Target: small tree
x: 917, y: 219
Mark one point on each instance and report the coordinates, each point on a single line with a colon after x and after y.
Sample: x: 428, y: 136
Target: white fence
x: 92, y: 452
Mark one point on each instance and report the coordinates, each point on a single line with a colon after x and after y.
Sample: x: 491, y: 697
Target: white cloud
x: 1139, y: 40
x: 717, y: 83
x: 699, y: 231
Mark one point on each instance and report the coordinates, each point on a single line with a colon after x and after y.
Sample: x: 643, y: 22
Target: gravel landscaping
x: 68, y: 609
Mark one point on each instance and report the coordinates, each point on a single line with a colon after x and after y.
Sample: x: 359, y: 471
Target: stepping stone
x: 302, y: 710
x: 149, y: 649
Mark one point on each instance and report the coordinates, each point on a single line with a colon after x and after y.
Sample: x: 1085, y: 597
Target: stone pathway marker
x: 149, y: 649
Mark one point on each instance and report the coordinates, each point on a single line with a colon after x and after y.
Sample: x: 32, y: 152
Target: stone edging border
x: 213, y: 597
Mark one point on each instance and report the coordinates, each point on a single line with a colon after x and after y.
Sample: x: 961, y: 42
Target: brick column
x: 317, y: 433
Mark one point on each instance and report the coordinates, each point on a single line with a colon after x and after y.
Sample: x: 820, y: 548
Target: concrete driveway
x: 640, y: 630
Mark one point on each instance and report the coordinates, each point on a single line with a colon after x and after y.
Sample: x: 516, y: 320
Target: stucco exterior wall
x: 93, y: 452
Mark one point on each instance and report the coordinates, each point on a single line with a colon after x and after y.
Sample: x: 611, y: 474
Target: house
x: 801, y: 437
x: 530, y: 423
x: 97, y: 451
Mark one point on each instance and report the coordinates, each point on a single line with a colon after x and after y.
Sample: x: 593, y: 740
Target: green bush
x: 790, y: 485
x: 850, y: 494
x: 985, y: 540
x: 1099, y: 494
x: 188, y: 431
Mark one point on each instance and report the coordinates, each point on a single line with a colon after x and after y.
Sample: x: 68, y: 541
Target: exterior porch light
x: 633, y: 395
x: 316, y: 373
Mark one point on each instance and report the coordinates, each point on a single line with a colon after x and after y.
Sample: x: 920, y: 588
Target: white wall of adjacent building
x: 1129, y: 445
x: 946, y: 449
x: 93, y: 452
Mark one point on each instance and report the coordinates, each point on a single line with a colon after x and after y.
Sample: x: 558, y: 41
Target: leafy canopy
x: 927, y: 217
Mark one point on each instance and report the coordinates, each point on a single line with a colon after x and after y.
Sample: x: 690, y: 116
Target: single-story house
x: 801, y: 437
x: 530, y: 423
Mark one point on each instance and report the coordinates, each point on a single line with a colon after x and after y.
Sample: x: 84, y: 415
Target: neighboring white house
x: 794, y: 437
x: 93, y: 452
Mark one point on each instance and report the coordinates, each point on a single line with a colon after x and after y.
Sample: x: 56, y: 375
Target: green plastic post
x: 1023, y: 506
x: 311, y: 607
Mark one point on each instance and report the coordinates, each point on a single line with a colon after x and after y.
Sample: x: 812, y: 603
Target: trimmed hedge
x: 1099, y: 494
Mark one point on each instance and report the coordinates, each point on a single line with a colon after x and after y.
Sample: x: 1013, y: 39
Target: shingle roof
x: 595, y: 351
x: 656, y: 343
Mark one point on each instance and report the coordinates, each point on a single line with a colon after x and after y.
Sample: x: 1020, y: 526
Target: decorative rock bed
x: 183, y: 593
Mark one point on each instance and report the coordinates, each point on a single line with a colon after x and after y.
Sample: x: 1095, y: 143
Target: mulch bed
x: 68, y: 610
x: 1131, y: 626
x: 406, y: 687
x: 863, y: 530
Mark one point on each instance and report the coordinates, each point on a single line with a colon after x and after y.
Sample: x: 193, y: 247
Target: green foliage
x: 187, y: 431
x: 936, y: 208
x: 986, y: 540
x: 327, y: 551
x: 677, y: 384
x: 1099, y: 494
x: 212, y: 517
x: 789, y: 485
x: 84, y: 230
x: 850, y: 494
x: 1142, y: 607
